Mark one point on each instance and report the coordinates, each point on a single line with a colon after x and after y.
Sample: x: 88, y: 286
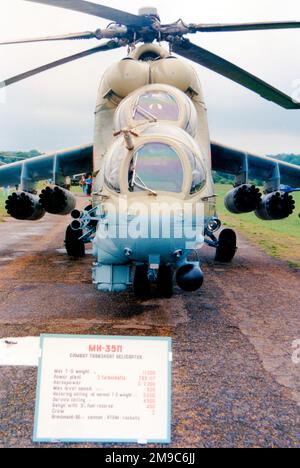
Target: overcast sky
x: 55, y: 109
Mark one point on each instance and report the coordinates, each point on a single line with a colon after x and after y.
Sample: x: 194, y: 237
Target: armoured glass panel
x: 156, y: 166
x: 157, y: 105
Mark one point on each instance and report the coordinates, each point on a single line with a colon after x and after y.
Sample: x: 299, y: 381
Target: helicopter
x: 152, y: 160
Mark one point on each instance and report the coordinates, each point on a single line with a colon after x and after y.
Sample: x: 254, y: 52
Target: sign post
x: 104, y: 389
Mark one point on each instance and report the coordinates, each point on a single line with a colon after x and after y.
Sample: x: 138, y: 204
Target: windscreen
x: 157, y: 105
x: 156, y: 166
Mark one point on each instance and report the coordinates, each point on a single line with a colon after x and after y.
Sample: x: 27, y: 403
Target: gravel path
x: 234, y: 382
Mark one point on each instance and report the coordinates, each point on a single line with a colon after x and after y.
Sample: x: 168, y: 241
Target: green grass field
x: 280, y: 239
x: 2, y: 205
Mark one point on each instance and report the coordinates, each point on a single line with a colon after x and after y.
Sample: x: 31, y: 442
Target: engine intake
x: 24, y: 206
x: 57, y: 201
x: 243, y: 199
x: 275, y: 206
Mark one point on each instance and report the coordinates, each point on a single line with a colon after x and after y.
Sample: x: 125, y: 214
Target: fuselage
x: 151, y: 153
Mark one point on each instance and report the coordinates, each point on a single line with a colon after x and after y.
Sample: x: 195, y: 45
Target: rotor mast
x: 127, y: 28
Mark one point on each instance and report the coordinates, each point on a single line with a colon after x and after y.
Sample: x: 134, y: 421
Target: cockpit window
x: 156, y: 167
x: 113, y: 167
x: 156, y: 105
x: 198, y: 174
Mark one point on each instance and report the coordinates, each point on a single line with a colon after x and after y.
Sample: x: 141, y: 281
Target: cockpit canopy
x: 159, y: 163
x: 154, y: 103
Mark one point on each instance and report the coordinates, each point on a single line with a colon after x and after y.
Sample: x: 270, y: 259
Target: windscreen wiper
x: 134, y: 178
x: 145, y: 113
x: 143, y: 186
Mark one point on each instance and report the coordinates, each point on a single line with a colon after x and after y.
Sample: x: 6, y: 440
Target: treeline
x: 289, y: 158
x: 14, y: 156
x: 221, y: 178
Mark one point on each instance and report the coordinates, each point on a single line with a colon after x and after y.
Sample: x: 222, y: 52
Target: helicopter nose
x: 124, y: 246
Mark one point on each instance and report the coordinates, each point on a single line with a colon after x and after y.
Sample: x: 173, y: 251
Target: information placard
x: 104, y: 389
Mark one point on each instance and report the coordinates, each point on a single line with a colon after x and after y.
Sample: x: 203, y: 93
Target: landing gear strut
x: 143, y: 280
x: 80, y: 231
x: 141, y: 283
x: 165, y: 281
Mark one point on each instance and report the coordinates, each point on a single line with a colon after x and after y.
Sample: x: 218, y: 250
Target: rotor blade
x: 102, y: 48
x: 213, y: 62
x: 63, y: 37
x: 101, y: 11
x: 245, y: 26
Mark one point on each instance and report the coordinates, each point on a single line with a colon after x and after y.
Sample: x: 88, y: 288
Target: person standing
x: 68, y: 183
x: 89, y: 185
x: 83, y: 184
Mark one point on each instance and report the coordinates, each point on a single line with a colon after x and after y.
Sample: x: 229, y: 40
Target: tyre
x: 227, y: 246
x: 74, y: 246
x: 141, y: 283
x: 165, y: 285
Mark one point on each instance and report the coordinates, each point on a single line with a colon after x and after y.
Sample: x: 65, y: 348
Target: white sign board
x: 22, y: 351
x: 104, y: 389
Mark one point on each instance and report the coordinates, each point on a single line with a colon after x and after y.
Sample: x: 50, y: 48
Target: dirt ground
x: 234, y: 381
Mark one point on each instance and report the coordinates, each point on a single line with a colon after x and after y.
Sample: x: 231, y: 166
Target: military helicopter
x: 151, y: 152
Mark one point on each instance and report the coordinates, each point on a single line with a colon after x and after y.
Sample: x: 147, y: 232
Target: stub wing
x: 51, y: 166
x: 245, y: 165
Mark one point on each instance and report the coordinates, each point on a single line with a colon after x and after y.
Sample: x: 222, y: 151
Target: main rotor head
x: 146, y: 27
x: 149, y: 11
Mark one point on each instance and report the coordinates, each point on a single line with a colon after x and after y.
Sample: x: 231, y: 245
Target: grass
x: 2, y: 205
x: 280, y: 239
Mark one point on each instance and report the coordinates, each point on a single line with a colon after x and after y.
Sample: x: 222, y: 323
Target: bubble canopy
x: 159, y: 163
x: 157, y: 103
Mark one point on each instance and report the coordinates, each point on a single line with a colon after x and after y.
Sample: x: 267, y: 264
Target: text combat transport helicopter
x: 151, y: 149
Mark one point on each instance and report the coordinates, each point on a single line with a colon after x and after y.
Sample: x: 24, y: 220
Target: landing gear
x: 165, y: 281
x: 143, y: 280
x: 81, y: 231
x: 226, y: 247
x: 141, y: 283
x: 93, y: 223
x: 74, y: 246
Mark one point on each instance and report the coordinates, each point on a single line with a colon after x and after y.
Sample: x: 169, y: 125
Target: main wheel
x: 74, y: 246
x: 141, y: 283
x: 165, y: 284
x: 227, y: 246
